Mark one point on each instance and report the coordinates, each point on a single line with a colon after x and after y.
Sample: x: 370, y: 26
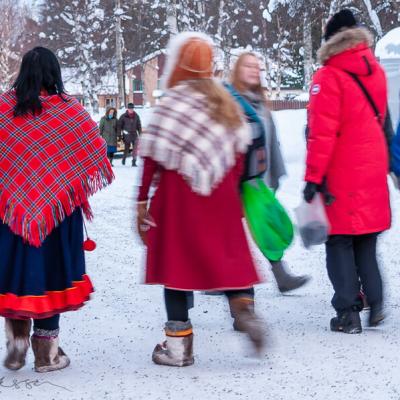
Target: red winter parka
x: 346, y: 144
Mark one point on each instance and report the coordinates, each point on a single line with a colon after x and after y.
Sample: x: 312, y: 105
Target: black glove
x: 310, y: 191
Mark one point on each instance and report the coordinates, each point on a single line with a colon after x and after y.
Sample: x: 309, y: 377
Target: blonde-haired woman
x: 264, y: 157
x: 195, y: 143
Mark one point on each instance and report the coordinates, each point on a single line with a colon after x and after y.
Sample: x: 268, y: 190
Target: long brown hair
x: 222, y: 107
x: 112, y: 109
x: 235, y: 77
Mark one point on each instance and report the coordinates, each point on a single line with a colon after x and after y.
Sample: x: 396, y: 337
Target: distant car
x: 290, y: 96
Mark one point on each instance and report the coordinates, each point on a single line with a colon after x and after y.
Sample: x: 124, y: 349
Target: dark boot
x: 286, y: 281
x: 48, y: 355
x: 124, y: 161
x: 177, y: 349
x: 17, y: 334
x: 347, y: 322
x: 242, y: 310
x: 376, y: 315
x: 134, y: 163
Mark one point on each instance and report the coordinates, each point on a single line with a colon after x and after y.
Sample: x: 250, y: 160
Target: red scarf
x: 49, y: 165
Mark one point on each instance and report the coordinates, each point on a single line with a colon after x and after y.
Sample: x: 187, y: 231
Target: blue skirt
x: 111, y: 149
x: 41, y: 282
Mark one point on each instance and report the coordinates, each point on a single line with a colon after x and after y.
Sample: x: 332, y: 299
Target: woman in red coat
x: 347, y: 148
x: 195, y: 144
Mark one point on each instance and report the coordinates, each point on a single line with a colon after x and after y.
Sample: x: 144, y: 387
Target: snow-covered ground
x: 110, y: 340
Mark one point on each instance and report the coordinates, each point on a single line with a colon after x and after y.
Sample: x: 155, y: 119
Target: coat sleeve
x: 120, y: 125
x: 395, y: 152
x: 101, y: 127
x: 139, y: 125
x: 150, y: 167
x: 324, y: 123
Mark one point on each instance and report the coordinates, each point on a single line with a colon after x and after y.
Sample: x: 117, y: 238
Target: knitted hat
x: 190, y: 57
x: 343, y: 19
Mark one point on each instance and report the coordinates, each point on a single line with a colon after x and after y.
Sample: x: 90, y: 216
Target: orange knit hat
x: 195, y: 61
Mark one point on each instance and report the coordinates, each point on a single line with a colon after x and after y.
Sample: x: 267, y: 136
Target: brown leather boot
x: 48, y: 355
x: 17, y: 334
x: 242, y: 310
x: 177, y: 350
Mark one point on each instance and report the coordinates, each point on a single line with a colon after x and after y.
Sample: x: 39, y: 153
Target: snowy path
x: 110, y: 341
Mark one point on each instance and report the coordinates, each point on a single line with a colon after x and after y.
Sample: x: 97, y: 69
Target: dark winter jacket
x: 129, y: 125
x: 109, y: 129
x: 346, y: 142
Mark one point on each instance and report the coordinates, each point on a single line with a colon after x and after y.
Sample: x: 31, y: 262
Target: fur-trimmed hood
x: 344, y: 40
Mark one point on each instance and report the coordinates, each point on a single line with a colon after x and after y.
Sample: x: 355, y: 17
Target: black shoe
x: 376, y: 315
x: 123, y: 161
x: 347, y: 322
x: 134, y: 163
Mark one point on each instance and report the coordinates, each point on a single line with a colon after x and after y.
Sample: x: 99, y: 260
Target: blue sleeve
x: 395, y: 152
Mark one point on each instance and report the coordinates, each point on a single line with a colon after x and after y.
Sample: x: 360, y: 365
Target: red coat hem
x: 361, y: 232
x: 204, y: 288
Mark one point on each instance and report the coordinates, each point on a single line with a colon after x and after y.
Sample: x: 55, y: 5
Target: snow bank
x: 389, y: 45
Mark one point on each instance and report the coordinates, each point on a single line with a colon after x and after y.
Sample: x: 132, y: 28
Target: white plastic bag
x: 312, y: 222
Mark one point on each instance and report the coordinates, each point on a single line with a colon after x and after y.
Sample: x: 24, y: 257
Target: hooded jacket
x: 346, y: 142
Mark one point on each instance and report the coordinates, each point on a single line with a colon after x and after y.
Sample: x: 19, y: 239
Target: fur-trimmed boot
x: 17, y: 334
x: 48, y: 355
x: 246, y: 320
x: 285, y: 280
x: 177, y: 350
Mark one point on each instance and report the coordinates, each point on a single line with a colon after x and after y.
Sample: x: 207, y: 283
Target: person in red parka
x: 348, y: 156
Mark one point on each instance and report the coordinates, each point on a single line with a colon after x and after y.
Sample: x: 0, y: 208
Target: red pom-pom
x: 89, y: 245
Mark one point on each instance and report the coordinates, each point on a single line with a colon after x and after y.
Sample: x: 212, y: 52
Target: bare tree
x: 13, y: 22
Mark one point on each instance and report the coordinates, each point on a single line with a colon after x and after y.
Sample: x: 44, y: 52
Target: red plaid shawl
x: 49, y: 165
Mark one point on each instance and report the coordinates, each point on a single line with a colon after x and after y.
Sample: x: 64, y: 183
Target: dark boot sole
x: 301, y: 282
x: 376, y: 322
x: 351, y: 331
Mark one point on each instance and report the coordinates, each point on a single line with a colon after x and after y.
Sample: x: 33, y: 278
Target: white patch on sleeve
x: 315, y: 89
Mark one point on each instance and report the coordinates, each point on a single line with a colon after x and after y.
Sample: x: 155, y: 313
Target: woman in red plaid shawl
x: 195, y: 144
x: 52, y: 159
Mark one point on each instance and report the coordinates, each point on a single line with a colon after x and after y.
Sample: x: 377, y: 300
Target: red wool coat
x: 199, y: 242
x: 346, y: 144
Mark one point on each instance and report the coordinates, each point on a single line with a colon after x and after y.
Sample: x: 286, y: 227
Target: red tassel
x: 89, y: 245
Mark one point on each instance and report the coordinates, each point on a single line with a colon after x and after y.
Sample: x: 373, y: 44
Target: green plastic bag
x: 269, y: 224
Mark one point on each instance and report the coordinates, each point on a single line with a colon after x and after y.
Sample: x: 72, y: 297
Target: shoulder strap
x: 368, y: 96
x: 247, y: 108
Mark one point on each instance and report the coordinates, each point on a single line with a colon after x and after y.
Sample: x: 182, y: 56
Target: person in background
x: 195, y: 144
x: 109, y: 131
x: 129, y: 129
x: 347, y: 156
x: 264, y: 157
x: 52, y: 159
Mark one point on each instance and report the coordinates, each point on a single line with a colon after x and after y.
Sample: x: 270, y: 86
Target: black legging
x: 47, y: 324
x: 176, y: 302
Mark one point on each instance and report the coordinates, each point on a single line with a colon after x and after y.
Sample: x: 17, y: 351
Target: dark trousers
x: 130, y: 139
x: 351, y: 262
x: 47, y: 324
x: 177, y: 302
x: 110, y: 156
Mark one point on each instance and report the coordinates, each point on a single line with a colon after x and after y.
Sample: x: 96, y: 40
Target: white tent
x: 388, y: 52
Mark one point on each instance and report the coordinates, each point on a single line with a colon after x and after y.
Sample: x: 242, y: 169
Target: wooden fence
x: 278, y: 105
